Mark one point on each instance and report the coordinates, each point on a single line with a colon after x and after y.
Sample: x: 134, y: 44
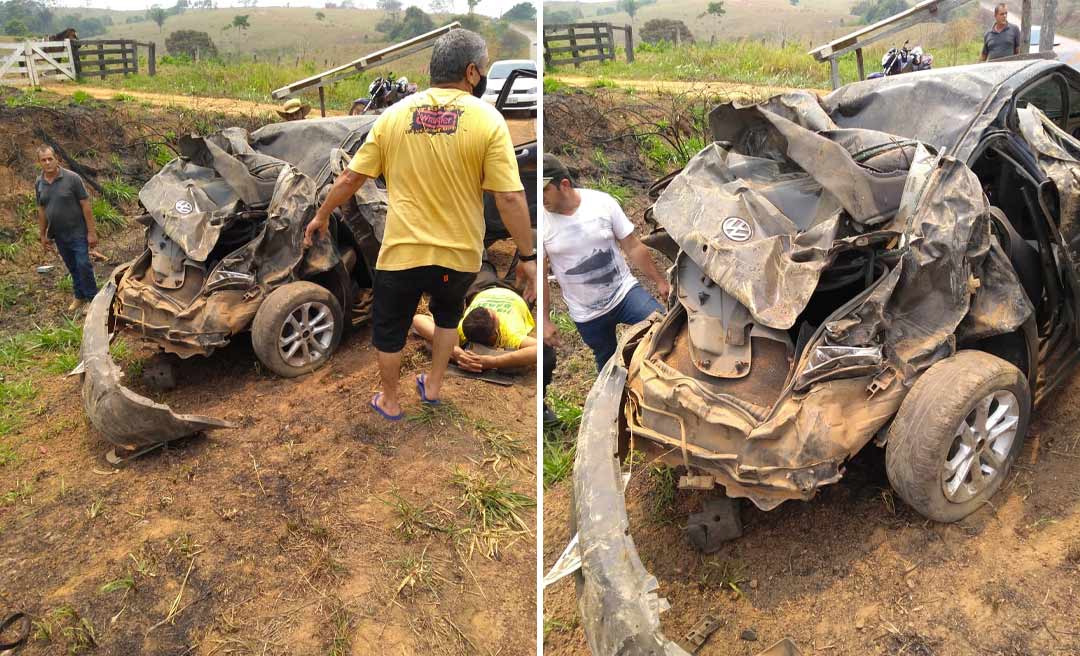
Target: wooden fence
x: 574, y: 43
x: 35, y: 62
x: 103, y: 57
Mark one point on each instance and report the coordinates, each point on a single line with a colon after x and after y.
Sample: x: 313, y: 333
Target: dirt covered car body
x: 894, y: 260
x: 224, y: 256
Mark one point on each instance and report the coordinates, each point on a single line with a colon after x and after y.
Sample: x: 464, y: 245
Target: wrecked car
x: 893, y: 262
x: 224, y: 229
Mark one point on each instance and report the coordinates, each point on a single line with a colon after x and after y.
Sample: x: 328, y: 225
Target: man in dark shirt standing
x: 65, y: 217
x: 1002, y: 39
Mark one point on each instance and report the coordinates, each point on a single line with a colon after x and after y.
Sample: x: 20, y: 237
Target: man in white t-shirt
x: 585, y: 236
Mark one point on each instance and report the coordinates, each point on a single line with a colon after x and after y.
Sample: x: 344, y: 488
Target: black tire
x: 270, y: 322
x: 923, y: 432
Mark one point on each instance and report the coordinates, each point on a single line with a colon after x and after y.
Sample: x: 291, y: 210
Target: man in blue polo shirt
x: 65, y: 217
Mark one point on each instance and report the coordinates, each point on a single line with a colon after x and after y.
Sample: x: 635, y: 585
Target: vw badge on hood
x: 737, y: 229
x: 185, y: 207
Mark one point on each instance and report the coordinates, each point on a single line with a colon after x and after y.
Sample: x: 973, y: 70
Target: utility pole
x: 1046, y: 34
x: 1025, y: 26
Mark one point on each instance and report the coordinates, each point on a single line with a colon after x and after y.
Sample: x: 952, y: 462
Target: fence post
x: 75, y: 60
x: 834, y: 73
x: 629, y: 44
x: 573, y: 46
x: 135, y: 55
x: 101, y: 59
x: 859, y: 63
x: 151, y: 60
x: 610, y: 43
x: 31, y: 70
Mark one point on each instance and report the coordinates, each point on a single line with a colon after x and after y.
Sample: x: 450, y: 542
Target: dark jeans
x: 599, y: 333
x: 75, y: 252
x: 549, y: 366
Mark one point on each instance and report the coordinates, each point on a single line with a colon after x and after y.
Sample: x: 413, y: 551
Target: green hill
x: 815, y: 21
x: 342, y: 35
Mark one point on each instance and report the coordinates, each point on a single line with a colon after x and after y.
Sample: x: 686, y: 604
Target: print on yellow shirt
x: 438, y: 151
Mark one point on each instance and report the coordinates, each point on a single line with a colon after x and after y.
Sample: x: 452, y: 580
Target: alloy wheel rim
x: 306, y: 333
x: 978, y: 455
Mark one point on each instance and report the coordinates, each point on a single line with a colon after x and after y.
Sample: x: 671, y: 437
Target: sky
x: 486, y: 7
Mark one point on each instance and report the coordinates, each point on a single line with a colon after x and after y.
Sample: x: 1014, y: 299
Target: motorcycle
x: 382, y: 92
x: 903, y: 60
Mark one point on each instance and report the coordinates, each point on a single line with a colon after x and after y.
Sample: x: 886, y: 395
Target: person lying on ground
x: 497, y: 318
x: 438, y: 150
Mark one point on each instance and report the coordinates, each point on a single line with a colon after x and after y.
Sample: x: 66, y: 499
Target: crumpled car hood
x: 220, y: 174
x: 764, y: 217
x: 264, y: 187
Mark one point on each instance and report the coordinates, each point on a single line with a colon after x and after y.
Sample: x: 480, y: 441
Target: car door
x: 1050, y: 94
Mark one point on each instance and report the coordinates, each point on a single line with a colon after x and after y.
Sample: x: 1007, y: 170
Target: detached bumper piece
x: 125, y: 418
x: 616, y: 596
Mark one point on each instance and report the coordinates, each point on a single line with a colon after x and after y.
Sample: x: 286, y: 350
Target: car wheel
x: 297, y: 328
x: 957, y: 433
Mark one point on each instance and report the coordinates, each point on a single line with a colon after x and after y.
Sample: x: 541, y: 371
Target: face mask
x: 480, y: 87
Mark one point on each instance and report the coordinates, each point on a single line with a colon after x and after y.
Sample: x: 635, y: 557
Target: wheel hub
x: 981, y: 446
x: 305, y: 335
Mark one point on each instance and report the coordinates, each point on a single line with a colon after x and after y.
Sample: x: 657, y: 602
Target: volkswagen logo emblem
x: 737, y: 229
x: 184, y: 206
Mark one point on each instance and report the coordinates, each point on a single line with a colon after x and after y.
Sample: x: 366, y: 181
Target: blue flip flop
x: 423, y: 391
x: 375, y: 406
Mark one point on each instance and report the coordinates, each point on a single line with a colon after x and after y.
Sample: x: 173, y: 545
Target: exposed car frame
x: 966, y: 114
x: 240, y: 202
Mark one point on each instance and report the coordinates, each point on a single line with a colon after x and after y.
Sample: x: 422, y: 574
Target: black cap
x: 554, y: 169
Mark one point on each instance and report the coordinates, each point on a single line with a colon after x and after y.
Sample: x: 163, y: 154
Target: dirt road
x: 728, y: 90
x: 198, y: 103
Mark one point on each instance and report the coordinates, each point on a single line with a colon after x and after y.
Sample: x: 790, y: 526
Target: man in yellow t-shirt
x: 438, y: 150
x: 497, y: 318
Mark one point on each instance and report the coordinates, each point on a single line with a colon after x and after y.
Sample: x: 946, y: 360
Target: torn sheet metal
x: 948, y: 108
x: 617, y: 596
x: 227, y: 225
x: 208, y: 307
x: 125, y: 418
x: 893, y: 240
x: 569, y: 561
x: 1059, y: 157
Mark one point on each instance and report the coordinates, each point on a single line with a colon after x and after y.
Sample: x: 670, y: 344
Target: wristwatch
x: 527, y: 258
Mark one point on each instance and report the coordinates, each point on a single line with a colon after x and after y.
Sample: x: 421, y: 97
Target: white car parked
x: 523, y: 94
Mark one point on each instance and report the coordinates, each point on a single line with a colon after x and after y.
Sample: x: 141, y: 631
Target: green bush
x: 80, y: 97
x: 118, y: 191
x: 107, y: 216
x: 189, y: 42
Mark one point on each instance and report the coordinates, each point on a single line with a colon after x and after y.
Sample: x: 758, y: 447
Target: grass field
x: 776, y: 20
x: 245, y: 79
x: 754, y: 62
x: 282, y: 45
x: 343, y: 34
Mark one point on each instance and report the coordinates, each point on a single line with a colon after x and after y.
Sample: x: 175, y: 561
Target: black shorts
x: 397, y: 293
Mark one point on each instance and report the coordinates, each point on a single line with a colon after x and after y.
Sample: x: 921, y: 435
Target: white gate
x: 35, y: 62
